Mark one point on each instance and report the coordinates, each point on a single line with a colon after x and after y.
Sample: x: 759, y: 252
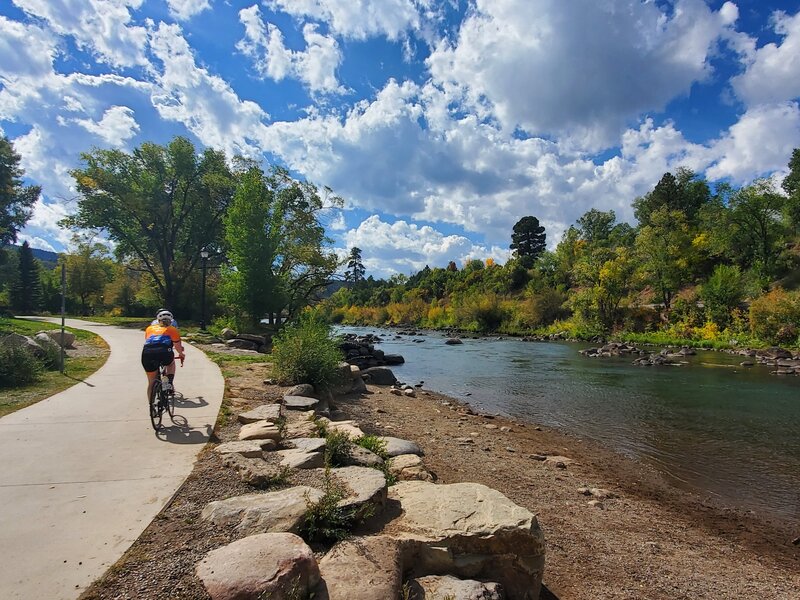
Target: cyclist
x: 159, y: 339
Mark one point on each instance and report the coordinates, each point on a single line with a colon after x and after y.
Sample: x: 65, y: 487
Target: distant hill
x: 48, y: 259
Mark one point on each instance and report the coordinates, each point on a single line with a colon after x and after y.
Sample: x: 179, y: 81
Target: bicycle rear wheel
x: 156, y: 406
x: 169, y: 402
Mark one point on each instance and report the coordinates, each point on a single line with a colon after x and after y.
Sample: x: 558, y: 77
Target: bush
x: 722, y: 293
x: 337, y: 448
x: 304, y: 352
x: 374, y: 444
x: 775, y: 315
x: 18, y: 366
x: 325, y: 521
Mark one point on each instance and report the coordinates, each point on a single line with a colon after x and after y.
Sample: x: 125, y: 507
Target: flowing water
x: 727, y: 432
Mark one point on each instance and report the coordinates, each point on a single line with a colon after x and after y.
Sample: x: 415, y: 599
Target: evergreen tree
x: 528, y: 240
x: 16, y: 201
x: 355, y: 268
x: 26, y: 293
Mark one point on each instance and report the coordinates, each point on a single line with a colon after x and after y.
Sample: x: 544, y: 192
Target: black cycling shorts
x: 152, y: 358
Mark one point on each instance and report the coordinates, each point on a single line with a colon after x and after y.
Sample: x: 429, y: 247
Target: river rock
x: 396, y: 447
x: 278, y: 566
x: 300, y: 402
x: 361, y: 457
x: 260, y: 430
x: 265, y: 412
x: 301, y: 429
x: 434, y: 587
x: 379, y: 376
x: 394, y: 359
x: 254, y: 471
x: 300, y: 459
x: 307, y: 444
x: 279, y: 511
x: 303, y: 389
x: 247, y: 449
x: 351, y: 428
x: 472, y: 531
x: 259, y: 340
x: 453, y: 341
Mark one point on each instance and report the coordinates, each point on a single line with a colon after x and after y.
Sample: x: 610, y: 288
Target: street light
x: 204, y: 259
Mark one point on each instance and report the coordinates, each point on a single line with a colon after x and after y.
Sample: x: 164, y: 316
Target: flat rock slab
x: 301, y: 429
x: 269, y: 565
x: 300, y: 459
x: 367, y: 486
x: 361, y: 457
x: 308, y: 444
x: 254, y: 471
x: 260, y: 430
x: 351, y: 428
x: 434, y: 587
x: 300, y: 403
x: 248, y: 449
x: 271, y: 512
x: 471, y: 531
x: 396, y: 447
x: 266, y: 412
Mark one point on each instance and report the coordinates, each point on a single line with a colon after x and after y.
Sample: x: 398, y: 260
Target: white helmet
x: 164, y: 317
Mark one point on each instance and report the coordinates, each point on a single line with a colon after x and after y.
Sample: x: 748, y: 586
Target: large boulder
x: 254, y: 471
x: 396, y: 446
x: 471, y: 531
x: 279, y: 511
x: 361, y: 457
x: 247, y: 449
x: 55, y: 334
x: 393, y: 359
x: 379, y: 376
x: 368, y: 568
x: 278, y: 566
x: 409, y: 467
x: 351, y: 428
x: 241, y: 344
x: 301, y: 459
x: 367, y: 487
x: 302, y: 389
x: 23, y: 341
x: 46, y: 342
x: 307, y: 444
x: 256, y: 339
x: 260, y: 430
x: 300, y: 403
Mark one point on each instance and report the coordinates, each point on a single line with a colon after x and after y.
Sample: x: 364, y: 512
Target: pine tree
x: 26, y: 293
x: 528, y: 240
x: 355, y: 268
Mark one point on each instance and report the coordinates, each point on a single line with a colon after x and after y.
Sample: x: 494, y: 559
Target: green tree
x: 664, y: 249
x: 722, y: 293
x: 26, y: 292
x: 791, y: 185
x: 528, y: 240
x: 161, y: 205
x: 683, y: 192
x: 16, y: 200
x: 355, y: 268
x: 88, y: 270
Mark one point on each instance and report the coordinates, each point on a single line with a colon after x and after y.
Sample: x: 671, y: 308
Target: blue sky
x: 439, y: 123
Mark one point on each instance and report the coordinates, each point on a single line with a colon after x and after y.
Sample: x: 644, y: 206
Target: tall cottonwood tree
x: 161, y: 205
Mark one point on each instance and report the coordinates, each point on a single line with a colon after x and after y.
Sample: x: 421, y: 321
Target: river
x: 729, y: 433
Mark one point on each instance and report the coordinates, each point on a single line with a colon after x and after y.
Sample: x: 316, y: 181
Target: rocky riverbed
x: 613, y: 529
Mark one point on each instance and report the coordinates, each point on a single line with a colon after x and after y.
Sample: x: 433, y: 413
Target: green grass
x: 51, y: 382
x: 223, y: 358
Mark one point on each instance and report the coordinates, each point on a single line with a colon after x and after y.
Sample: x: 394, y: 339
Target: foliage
x: 722, y: 293
x: 374, y: 444
x: 305, y: 352
x: 775, y: 316
x: 26, y: 292
x: 161, y: 205
x: 325, y: 521
x: 18, y: 366
x: 355, y: 268
x: 88, y: 270
x: 528, y: 239
x: 337, y: 448
x: 16, y: 200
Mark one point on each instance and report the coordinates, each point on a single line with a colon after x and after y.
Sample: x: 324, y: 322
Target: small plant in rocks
x: 374, y: 444
x: 337, y: 448
x: 325, y: 521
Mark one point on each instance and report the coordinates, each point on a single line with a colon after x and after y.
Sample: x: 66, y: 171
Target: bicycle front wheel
x: 156, y: 407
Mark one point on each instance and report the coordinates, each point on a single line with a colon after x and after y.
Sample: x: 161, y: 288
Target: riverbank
x: 637, y: 539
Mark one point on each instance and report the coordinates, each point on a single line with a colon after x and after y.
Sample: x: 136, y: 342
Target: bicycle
x: 160, y: 399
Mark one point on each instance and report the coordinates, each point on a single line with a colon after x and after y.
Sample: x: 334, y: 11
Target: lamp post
x: 204, y: 259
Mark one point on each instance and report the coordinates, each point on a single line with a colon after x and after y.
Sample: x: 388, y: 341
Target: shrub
x: 722, y: 293
x: 374, y: 444
x: 304, y: 352
x: 325, y: 521
x: 337, y: 448
x: 18, y: 366
x: 774, y: 316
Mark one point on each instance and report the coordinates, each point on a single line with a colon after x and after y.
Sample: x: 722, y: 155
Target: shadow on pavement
x: 182, y: 402
x: 180, y: 432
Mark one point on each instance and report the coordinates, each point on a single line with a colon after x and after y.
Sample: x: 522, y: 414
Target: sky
x: 440, y: 123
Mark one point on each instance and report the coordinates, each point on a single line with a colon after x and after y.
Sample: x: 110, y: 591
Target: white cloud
x: 758, y: 144
x: 186, y: 9
x: 101, y: 26
x: 115, y: 128
x: 204, y: 103
x: 773, y: 71
x: 358, y: 19
x: 35, y: 242
x: 402, y: 247
x: 582, y: 69
x: 315, y: 67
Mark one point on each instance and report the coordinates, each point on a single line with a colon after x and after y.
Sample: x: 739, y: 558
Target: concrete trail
x: 83, y: 473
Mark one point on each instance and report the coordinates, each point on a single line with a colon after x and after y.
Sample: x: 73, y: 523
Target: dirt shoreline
x: 648, y: 541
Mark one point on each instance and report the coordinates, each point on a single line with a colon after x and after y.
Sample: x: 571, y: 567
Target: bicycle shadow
x: 182, y: 402
x: 180, y: 432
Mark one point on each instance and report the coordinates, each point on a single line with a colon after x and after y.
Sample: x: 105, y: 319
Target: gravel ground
x: 647, y: 541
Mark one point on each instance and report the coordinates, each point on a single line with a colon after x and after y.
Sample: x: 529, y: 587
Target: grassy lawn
x: 92, y: 354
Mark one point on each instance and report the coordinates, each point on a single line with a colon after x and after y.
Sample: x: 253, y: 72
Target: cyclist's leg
x: 150, y: 364
x: 169, y: 367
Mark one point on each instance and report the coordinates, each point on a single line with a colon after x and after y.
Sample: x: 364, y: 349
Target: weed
x: 374, y: 444
x: 337, y: 448
x: 280, y: 423
x: 325, y: 521
x: 322, y: 427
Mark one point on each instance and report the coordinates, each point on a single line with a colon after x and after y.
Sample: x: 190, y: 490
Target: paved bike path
x: 83, y: 473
